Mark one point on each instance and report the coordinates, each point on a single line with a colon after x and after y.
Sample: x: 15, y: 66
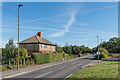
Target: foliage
x: 67, y: 49
x: 27, y: 62
x: 114, y: 54
x: 23, y: 53
x: 0, y: 52
x: 103, y: 53
x: 113, y: 45
x: 76, y: 50
x: 9, y: 50
x: 59, y: 49
x: 41, y: 58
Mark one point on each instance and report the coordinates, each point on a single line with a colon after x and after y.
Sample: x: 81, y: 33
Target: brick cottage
x: 37, y: 44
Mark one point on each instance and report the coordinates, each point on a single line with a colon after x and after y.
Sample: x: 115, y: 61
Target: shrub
x: 66, y: 56
x: 28, y: 62
x: 59, y: 56
x: 41, y: 58
x: 12, y: 60
x: 32, y: 62
x: 103, y: 53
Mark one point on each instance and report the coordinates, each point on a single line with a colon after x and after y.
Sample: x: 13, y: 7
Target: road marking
x: 44, y: 74
x: 13, y: 75
x: 38, y: 69
x: 68, y: 76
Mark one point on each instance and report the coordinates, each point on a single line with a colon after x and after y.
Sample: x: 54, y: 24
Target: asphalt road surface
x: 60, y: 71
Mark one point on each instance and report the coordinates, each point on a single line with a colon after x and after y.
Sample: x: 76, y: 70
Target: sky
x: 75, y: 23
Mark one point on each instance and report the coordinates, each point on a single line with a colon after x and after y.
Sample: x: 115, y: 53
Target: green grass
x: 5, y: 67
x: 85, y: 54
x: 102, y: 70
x: 114, y: 54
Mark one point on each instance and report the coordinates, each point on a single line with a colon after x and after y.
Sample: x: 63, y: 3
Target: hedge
x: 40, y: 58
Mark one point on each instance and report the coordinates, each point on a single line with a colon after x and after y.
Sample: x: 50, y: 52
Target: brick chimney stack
x: 39, y: 34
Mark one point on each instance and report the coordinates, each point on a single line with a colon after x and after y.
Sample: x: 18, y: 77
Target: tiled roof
x: 37, y: 39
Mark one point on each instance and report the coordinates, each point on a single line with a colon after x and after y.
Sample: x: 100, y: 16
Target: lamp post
x: 18, y: 33
x: 98, y: 48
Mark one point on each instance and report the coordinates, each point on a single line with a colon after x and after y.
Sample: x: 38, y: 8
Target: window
x: 28, y: 46
x: 50, y: 46
x: 40, y: 45
x: 45, y: 46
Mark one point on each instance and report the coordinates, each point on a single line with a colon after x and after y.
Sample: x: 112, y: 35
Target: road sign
x: 17, y: 58
x: 98, y: 53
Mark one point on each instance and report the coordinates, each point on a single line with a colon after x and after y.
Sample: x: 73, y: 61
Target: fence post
x: 14, y: 61
x: 9, y: 62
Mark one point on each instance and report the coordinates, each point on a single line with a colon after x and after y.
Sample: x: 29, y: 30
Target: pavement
x: 56, y: 70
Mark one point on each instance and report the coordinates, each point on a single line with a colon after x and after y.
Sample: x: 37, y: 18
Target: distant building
x: 37, y: 44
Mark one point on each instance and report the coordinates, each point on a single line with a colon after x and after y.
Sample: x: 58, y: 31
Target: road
x: 61, y: 71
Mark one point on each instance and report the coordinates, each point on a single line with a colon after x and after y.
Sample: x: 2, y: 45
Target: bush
x: 12, y: 60
x: 32, y: 62
x: 28, y: 62
x: 59, y: 56
x: 41, y: 58
x: 103, y: 53
x: 66, y: 56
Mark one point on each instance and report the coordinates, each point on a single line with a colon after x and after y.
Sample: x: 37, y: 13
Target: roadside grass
x: 6, y: 67
x: 114, y: 54
x: 85, y: 54
x: 102, y: 70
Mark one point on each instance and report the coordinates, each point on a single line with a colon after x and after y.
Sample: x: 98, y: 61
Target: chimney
x: 39, y: 34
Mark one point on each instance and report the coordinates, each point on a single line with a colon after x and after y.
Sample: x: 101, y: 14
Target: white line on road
x: 68, y: 76
x: 36, y: 69
x: 13, y: 75
x: 43, y: 74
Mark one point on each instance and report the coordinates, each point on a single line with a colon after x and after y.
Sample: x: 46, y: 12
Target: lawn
x: 102, y: 70
x: 114, y: 54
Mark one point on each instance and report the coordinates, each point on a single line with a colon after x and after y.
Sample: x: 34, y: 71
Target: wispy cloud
x: 25, y: 27
x: 51, y: 29
x: 83, y: 24
x: 100, y: 8
x: 63, y: 15
x: 66, y: 27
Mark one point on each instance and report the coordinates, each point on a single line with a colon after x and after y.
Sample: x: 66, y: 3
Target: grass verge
x: 102, y: 70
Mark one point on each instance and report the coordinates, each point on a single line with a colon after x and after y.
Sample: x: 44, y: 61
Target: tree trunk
x: 9, y: 62
x: 21, y: 61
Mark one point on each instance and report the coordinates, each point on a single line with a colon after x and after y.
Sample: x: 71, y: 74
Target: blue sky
x: 61, y: 23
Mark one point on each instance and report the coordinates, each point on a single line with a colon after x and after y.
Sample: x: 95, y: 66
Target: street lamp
x: 18, y: 32
x: 98, y: 48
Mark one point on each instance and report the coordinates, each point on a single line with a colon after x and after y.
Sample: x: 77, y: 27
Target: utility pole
x: 98, y: 48
x: 18, y: 34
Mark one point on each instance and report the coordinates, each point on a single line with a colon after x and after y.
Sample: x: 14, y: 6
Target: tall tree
x: 9, y: 50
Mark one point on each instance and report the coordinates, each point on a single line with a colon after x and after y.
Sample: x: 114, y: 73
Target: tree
x: 67, y: 49
x: 103, y: 53
x: 9, y: 50
x: 76, y: 50
x: 59, y: 49
x: 113, y: 45
x: 23, y: 54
